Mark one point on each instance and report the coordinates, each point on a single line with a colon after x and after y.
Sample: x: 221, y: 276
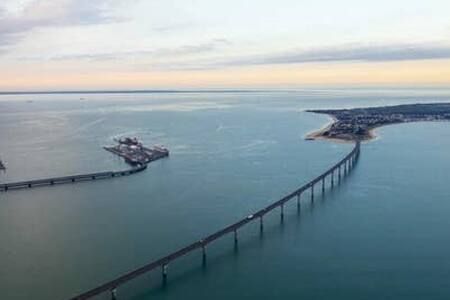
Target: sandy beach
x: 319, y: 134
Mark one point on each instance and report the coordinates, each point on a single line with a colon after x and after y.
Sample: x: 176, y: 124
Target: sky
x: 181, y: 44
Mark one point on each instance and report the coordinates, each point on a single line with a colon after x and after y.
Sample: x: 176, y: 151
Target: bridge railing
x: 346, y: 164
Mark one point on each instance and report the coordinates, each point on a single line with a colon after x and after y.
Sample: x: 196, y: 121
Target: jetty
x: 331, y: 177
x: 70, y: 179
x: 134, y: 153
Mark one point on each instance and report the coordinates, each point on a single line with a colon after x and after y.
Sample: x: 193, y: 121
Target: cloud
x: 51, y: 13
x: 205, y: 47
x: 371, y: 53
x: 346, y: 53
x: 176, y: 27
x: 159, y: 53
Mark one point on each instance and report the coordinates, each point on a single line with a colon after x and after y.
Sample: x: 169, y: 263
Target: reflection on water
x: 231, y: 155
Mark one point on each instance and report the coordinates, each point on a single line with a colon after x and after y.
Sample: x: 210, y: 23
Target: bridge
x: 70, y: 179
x: 334, y: 176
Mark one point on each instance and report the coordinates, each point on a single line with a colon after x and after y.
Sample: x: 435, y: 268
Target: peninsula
x: 357, y: 124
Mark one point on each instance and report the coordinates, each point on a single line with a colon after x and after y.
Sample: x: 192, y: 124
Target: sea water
x: 382, y: 234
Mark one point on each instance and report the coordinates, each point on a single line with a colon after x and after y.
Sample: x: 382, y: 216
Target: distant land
x: 358, y: 124
x: 129, y: 91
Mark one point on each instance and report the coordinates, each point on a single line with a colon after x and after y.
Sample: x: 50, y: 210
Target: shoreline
x: 359, y: 124
x: 370, y: 136
x: 319, y: 133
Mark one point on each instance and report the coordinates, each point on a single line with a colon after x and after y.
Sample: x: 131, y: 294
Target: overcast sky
x: 66, y: 44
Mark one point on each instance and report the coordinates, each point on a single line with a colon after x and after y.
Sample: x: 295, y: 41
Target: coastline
x: 319, y: 133
x: 359, y: 124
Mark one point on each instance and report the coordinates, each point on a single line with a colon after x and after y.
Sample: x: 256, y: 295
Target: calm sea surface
x: 383, y: 234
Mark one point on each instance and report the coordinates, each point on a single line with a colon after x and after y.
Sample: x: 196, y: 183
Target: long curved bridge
x: 70, y: 179
x: 330, y: 177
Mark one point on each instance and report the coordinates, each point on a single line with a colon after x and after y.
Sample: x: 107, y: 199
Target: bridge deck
x: 72, y: 178
x: 161, y: 262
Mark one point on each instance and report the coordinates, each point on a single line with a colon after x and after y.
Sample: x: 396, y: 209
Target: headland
x: 358, y: 124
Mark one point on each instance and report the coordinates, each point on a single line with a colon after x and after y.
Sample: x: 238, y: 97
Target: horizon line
x: 212, y: 90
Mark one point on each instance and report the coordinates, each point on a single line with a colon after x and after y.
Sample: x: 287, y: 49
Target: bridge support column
x: 204, y: 254
x: 164, y: 272
x: 261, y: 224
x: 113, y: 294
x: 323, y: 185
x: 282, y: 212
x: 339, y: 174
x: 312, y: 193
x: 235, y: 237
x: 332, y: 179
x: 298, y: 202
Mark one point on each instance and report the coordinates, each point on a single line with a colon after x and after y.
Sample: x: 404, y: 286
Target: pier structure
x: 348, y: 162
x: 70, y: 179
x: 134, y: 153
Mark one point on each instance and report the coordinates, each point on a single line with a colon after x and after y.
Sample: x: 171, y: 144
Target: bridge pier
x: 113, y: 294
x: 332, y: 178
x: 204, y: 254
x: 323, y: 185
x: 312, y: 192
x: 282, y: 212
x: 339, y: 174
x: 235, y: 237
x: 164, y: 272
x: 298, y: 202
x: 261, y: 224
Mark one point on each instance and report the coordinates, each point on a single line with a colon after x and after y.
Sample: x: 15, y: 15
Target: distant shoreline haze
x: 221, y: 90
